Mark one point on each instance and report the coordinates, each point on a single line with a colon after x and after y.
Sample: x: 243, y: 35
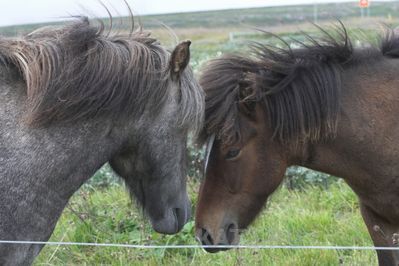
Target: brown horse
x: 327, y: 106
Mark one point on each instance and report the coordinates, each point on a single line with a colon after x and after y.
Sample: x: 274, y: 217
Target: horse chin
x: 231, y: 245
x: 235, y: 242
x: 215, y: 249
x: 167, y: 226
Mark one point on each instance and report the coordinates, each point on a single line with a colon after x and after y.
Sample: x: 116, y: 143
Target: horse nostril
x: 179, y: 218
x: 206, y: 238
x: 177, y: 213
x: 231, y: 233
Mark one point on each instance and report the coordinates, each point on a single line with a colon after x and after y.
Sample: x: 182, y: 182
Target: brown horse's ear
x: 179, y: 59
x: 246, y: 103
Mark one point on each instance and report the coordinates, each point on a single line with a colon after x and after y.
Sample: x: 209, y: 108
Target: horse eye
x: 233, y: 153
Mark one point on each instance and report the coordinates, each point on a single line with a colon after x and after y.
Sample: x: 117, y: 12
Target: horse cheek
x: 233, y: 177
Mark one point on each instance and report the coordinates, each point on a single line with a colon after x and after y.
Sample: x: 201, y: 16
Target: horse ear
x: 179, y: 59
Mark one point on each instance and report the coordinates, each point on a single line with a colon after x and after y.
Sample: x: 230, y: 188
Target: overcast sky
x: 30, y: 11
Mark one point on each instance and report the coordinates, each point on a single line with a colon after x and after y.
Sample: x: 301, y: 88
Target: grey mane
x: 75, y: 71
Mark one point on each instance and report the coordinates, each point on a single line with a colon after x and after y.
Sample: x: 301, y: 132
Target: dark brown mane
x: 299, y: 89
x: 76, y: 71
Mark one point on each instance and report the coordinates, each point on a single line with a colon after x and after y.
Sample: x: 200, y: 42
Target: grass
x: 310, y: 216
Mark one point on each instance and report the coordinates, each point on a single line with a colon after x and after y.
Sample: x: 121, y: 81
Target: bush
x: 300, y: 177
x: 196, y: 159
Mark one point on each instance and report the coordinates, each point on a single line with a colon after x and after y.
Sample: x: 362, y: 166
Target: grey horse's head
x: 126, y: 93
x: 154, y: 161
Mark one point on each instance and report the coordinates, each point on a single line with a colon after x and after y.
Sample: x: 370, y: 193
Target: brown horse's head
x: 240, y: 176
x: 263, y: 115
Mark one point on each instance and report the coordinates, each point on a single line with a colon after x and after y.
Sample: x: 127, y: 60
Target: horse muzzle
x: 226, y: 236
x: 173, y: 220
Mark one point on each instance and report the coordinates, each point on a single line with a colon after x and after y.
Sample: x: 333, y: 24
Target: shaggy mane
x: 76, y: 71
x: 298, y: 89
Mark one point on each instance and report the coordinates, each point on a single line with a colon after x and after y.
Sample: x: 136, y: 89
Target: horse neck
x: 367, y: 133
x: 43, y: 167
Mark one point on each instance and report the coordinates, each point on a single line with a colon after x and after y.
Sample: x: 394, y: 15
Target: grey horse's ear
x: 179, y: 59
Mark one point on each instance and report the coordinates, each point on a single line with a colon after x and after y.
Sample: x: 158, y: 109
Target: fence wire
x: 195, y: 246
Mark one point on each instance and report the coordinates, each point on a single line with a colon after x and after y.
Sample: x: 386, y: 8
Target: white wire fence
x: 13, y: 242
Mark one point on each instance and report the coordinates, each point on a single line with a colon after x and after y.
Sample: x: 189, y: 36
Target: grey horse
x: 73, y: 98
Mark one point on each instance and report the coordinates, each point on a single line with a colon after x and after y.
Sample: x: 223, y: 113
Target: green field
x: 316, y: 210
x: 311, y: 216
x: 252, y: 17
